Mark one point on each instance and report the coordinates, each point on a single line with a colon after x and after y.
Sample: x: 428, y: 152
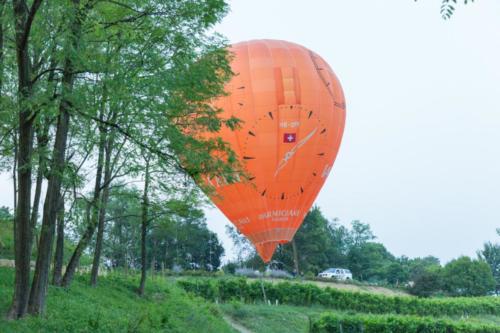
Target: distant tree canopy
x: 177, y: 237
x: 491, y: 255
x: 322, y: 244
x: 5, y: 214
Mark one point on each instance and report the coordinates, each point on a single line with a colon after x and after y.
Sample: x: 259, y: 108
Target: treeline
x: 97, y: 95
x: 177, y: 240
x: 321, y: 243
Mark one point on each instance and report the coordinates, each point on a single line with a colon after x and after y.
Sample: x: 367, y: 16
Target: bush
x: 427, y: 283
x: 466, y: 277
x: 335, y: 323
x: 307, y: 294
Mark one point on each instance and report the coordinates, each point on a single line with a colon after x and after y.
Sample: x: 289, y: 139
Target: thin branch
x: 29, y: 22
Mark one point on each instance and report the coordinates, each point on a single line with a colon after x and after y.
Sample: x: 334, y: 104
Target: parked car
x: 341, y: 274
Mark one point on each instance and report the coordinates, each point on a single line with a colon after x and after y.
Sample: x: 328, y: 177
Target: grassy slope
x: 295, y: 319
x: 113, y: 306
x: 268, y: 319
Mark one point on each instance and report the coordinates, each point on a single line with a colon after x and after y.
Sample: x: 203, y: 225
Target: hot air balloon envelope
x: 293, y: 112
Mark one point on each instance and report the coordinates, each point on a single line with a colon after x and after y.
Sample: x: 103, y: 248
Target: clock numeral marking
x: 323, y: 131
x: 314, y: 174
x: 301, y: 190
x: 283, y: 196
x: 310, y: 114
x: 263, y: 192
x: 321, y: 154
x: 240, y: 104
x: 251, y: 178
x: 251, y: 133
x: 242, y: 87
x: 270, y: 115
x: 248, y: 157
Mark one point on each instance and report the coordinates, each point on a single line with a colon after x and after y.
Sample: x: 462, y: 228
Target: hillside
x: 293, y: 307
x: 113, y: 306
x: 349, y: 286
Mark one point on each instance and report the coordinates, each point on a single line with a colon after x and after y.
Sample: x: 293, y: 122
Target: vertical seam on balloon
x: 244, y: 187
x: 290, y: 224
x: 259, y: 136
x: 311, y: 197
x: 270, y: 51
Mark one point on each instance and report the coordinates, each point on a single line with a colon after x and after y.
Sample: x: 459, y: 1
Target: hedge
x: 307, y: 294
x: 359, y: 323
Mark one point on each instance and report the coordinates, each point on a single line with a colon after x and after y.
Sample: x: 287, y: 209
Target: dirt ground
x: 348, y: 286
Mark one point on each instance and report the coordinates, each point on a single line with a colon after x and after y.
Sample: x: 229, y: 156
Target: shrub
x: 354, y: 323
x: 308, y: 294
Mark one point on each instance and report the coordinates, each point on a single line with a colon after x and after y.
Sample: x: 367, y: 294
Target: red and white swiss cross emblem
x: 289, y: 137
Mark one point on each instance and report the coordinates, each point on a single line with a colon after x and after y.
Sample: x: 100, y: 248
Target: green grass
x: 6, y: 240
x: 261, y: 318
x: 114, y: 306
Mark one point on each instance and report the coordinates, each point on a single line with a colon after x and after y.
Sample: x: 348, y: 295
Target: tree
x: 370, y: 261
x: 398, y: 272
x: 427, y: 282
x: 466, y: 277
x: 418, y: 266
x: 23, y: 16
x: 5, y: 214
x: 71, y: 59
x: 491, y: 255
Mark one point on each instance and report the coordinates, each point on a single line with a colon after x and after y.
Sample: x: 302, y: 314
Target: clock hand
x: 288, y: 155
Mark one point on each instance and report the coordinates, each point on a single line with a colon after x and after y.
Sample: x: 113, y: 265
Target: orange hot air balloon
x: 293, y: 110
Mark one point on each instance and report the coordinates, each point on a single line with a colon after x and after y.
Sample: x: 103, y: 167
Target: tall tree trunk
x: 23, y: 18
x: 92, y: 223
x: 295, y: 257
x: 50, y: 209
x: 2, y: 10
x: 59, y: 254
x: 102, y: 212
x: 14, y: 176
x: 42, y: 140
x: 51, y: 204
x: 144, y: 226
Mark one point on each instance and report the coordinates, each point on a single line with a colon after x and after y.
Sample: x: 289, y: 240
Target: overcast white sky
x: 420, y: 158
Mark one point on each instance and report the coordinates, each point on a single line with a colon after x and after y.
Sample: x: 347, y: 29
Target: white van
x: 340, y: 274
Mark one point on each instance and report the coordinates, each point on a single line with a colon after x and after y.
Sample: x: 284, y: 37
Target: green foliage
x: 491, y: 255
x: 114, y: 306
x: 363, y: 323
x: 304, y: 294
x: 370, y: 261
x: 5, y: 214
x: 448, y: 7
x: 6, y: 239
x: 466, y: 277
x: 262, y: 318
x: 428, y: 282
x: 178, y: 234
